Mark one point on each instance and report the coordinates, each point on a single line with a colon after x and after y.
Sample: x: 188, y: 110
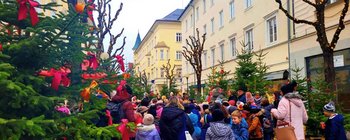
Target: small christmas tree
x: 251, y: 73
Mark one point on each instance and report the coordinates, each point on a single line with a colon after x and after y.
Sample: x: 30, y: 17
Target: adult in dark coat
x: 241, y: 94
x: 174, y: 121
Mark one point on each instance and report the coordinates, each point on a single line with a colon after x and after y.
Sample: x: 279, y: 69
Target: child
x: 335, y: 124
x: 255, y: 129
x: 239, y: 128
x: 267, y: 123
x: 147, y: 131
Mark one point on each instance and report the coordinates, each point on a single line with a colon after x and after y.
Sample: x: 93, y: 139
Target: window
x: 156, y: 73
x: 149, y: 62
x: 205, y: 59
x: 161, y: 72
x: 249, y: 39
x: 331, y: 1
x: 221, y: 20
x: 272, y: 29
x: 232, y: 9
x: 233, y: 46
x: 187, y: 67
x: 248, y: 3
x: 161, y: 54
x: 197, y: 13
x: 212, y: 56
x: 204, y: 6
x: 167, y: 54
x: 178, y: 55
x: 205, y: 28
x: 211, y: 2
x: 179, y: 71
x: 222, y: 52
x: 191, y: 20
x: 156, y: 55
x: 178, y: 37
x: 186, y: 25
x: 212, y: 25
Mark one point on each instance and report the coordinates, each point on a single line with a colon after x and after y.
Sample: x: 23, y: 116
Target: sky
x: 139, y: 15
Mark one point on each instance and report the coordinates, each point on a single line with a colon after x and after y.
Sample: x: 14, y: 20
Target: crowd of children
x: 232, y: 116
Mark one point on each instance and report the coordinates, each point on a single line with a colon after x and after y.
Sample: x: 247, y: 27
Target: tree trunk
x: 199, y: 85
x: 329, y: 71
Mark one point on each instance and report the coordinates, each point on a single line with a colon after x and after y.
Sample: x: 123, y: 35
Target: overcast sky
x: 139, y: 15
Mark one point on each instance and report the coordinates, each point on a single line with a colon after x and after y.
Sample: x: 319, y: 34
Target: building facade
x: 227, y: 24
x: 63, y: 8
x: 161, y: 43
x: 307, y: 54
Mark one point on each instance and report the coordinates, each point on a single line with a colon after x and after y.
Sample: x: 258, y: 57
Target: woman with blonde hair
x: 174, y: 121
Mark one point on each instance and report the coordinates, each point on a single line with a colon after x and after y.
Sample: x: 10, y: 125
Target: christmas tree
x: 218, y: 78
x: 251, y: 73
x: 41, y: 77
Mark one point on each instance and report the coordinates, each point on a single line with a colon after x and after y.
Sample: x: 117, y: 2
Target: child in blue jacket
x: 335, y: 124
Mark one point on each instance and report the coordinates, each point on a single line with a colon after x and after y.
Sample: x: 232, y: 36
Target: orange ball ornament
x: 79, y: 7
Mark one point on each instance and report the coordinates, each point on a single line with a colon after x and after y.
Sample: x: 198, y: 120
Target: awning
x: 277, y: 75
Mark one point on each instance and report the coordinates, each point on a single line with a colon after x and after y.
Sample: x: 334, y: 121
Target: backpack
x: 117, y: 111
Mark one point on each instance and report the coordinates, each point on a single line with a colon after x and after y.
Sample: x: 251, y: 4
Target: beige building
x: 306, y: 52
x: 258, y: 23
x: 63, y: 8
x: 162, y: 42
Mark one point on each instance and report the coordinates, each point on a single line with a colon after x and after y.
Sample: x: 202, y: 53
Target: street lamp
x: 186, y: 76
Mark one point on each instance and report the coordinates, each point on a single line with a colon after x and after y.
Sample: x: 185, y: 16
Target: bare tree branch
x: 293, y: 18
x: 193, y: 55
x: 341, y: 24
x: 310, y: 3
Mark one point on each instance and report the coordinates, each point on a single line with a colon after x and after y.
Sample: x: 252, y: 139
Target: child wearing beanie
x: 148, y: 130
x: 335, y: 124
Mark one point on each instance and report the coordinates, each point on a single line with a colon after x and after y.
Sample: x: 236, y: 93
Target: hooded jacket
x: 298, y: 113
x: 241, y: 130
x: 171, y: 123
x: 147, y: 132
x: 335, y: 128
x: 219, y: 131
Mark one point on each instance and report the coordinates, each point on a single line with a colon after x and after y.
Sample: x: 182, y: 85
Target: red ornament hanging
x: 23, y: 9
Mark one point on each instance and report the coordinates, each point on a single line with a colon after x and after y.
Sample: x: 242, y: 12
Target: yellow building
x: 258, y: 23
x: 162, y: 42
x: 306, y: 51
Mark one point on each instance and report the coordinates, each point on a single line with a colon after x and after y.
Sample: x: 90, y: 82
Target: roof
x: 137, y: 42
x: 173, y: 16
x: 186, y: 8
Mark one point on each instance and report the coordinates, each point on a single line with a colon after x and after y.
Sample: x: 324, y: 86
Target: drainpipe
x: 289, y: 38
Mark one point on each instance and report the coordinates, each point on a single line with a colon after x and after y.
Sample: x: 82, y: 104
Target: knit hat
x: 232, y: 102
x: 329, y: 107
x: 254, y: 109
x: 148, y: 119
x: 218, y: 115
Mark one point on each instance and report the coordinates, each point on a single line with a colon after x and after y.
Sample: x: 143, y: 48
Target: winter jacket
x: 171, y: 123
x: 335, y: 128
x: 147, y: 132
x: 298, y: 113
x: 258, y: 101
x: 219, y: 131
x: 254, y: 129
x: 197, y: 129
x: 240, y: 131
x: 268, y: 122
x: 242, y: 98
